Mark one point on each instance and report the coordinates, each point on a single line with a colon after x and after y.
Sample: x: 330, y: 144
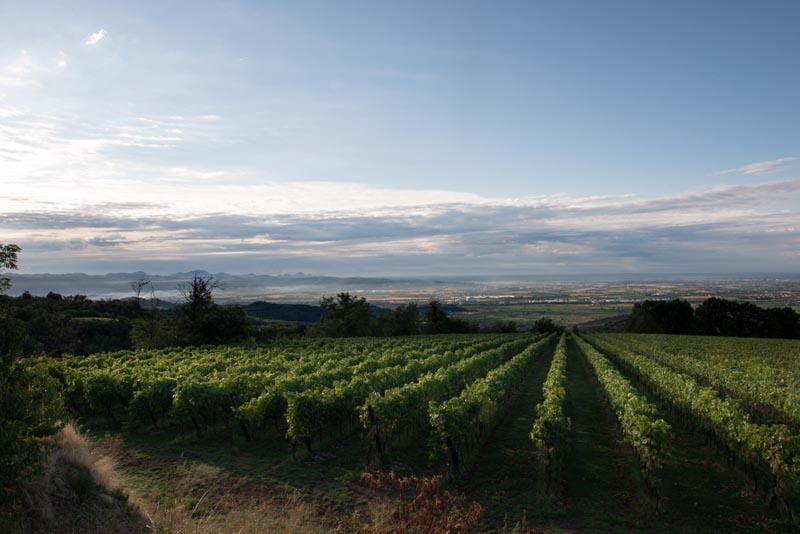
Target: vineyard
x: 649, y: 430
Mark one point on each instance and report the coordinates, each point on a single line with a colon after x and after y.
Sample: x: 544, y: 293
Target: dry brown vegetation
x: 77, y: 491
x: 80, y: 490
x: 406, y: 505
x: 257, y: 517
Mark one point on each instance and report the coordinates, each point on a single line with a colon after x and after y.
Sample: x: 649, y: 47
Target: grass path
x: 503, y: 478
x: 705, y: 495
x: 602, y: 486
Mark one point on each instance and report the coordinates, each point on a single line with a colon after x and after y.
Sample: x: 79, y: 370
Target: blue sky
x: 401, y: 137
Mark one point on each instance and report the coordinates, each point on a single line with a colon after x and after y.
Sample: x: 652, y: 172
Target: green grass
x: 602, y: 487
x: 504, y: 478
x: 160, y: 465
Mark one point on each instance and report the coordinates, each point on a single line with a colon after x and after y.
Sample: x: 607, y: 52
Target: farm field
x: 603, y: 432
x: 525, y: 314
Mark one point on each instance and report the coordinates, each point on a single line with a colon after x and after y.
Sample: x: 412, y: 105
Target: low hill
x: 296, y: 313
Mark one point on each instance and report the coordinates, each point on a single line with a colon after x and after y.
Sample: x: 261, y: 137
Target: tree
x: 138, y: 286
x: 782, y: 322
x: 148, y: 330
x: 401, y: 321
x: 57, y: 333
x: 8, y: 260
x: 198, y: 321
x: 720, y: 317
x: 345, y: 316
x: 661, y: 316
x: 29, y: 402
x: 501, y: 327
x: 436, y: 320
x: 199, y: 295
x: 545, y: 325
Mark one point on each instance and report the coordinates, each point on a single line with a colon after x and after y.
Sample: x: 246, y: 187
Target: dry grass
x: 206, y: 499
x: 80, y: 491
x: 257, y: 517
x: 73, y: 448
x: 77, y: 491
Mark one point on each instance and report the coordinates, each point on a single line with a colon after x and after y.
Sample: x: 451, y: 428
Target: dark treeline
x: 714, y: 317
x: 55, y: 325
x: 348, y: 316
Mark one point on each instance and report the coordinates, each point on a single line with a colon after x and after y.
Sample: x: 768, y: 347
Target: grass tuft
x: 77, y: 491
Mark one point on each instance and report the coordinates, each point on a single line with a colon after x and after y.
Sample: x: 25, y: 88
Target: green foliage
x: 402, y: 321
x: 152, y: 402
x: 714, y: 317
x: 345, y: 316
x: 336, y: 404
x: 156, y: 331
x: 105, y: 391
x: 545, y: 325
x: 30, y: 409
x: 198, y: 295
x: 643, y: 429
x: 29, y: 403
x: 405, y: 406
x: 71, y: 325
x: 463, y: 420
x: 204, y: 388
x: 661, y: 316
x: 774, y: 446
x: 436, y: 321
x: 198, y: 321
x: 501, y: 327
x: 759, y: 373
x: 551, y: 424
x: 8, y: 260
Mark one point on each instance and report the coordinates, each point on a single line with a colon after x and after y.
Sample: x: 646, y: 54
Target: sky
x: 401, y: 138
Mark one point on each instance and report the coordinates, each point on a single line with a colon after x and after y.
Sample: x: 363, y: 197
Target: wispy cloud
x: 762, y: 167
x: 95, y: 38
x: 108, y: 196
x: 76, y: 159
x: 27, y: 69
x: 745, y: 228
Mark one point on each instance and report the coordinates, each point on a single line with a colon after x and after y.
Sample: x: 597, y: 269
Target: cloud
x: 95, y: 38
x: 102, y: 196
x: 68, y: 159
x: 762, y: 167
x: 722, y: 229
x: 28, y: 69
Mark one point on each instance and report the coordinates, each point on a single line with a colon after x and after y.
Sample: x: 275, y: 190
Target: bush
x: 421, y: 506
x: 30, y: 406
